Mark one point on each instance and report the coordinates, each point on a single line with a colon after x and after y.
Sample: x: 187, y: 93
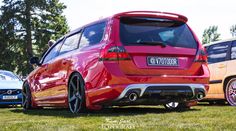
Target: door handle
x: 64, y: 62
x: 221, y: 66
x: 46, y: 68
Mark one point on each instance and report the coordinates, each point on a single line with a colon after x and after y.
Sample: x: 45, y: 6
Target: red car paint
x: 105, y: 80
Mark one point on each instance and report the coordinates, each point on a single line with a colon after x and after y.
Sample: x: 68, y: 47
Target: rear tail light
x: 201, y: 56
x: 114, y: 53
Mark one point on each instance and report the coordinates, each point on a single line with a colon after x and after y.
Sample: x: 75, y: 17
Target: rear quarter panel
x: 231, y: 70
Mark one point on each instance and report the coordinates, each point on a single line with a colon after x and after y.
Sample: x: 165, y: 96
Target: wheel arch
x: 86, y: 96
x: 33, y: 103
x: 226, y: 80
x: 28, y: 84
x: 71, y: 74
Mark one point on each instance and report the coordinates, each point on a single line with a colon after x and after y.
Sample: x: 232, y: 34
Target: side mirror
x: 34, y: 60
x: 50, y: 43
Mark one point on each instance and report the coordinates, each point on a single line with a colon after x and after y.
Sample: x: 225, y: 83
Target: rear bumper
x: 162, y: 89
x: 147, y: 94
x: 164, y: 92
x: 113, y: 86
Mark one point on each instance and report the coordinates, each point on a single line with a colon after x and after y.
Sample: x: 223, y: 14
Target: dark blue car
x: 10, y: 88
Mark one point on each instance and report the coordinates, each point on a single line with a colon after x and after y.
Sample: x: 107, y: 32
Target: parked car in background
x: 130, y: 58
x: 10, y: 88
x: 222, y: 65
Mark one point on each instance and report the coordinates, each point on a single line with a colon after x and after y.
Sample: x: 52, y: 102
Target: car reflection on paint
x: 10, y: 88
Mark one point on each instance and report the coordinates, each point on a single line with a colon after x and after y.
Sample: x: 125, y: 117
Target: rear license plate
x: 162, y: 61
x: 9, y: 97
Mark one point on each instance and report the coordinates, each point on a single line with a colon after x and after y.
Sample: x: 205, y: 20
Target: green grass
x: 201, y: 117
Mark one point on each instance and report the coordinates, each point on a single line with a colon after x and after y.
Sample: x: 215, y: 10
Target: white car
x: 10, y: 88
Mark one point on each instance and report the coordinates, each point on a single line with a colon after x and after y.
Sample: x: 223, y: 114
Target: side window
x: 70, y: 43
x: 92, y: 35
x: 53, y: 52
x: 233, y: 51
x: 218, y: 52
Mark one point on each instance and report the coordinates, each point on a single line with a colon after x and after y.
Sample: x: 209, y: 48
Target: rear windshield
x: 143, y: 31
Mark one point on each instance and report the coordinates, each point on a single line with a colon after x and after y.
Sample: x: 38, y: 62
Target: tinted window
x: 70, y: 43
x: 138, y: 31
x: 53, y: 52
x: 218, y: 52
x: 233, y: 51
x: 92, y: 34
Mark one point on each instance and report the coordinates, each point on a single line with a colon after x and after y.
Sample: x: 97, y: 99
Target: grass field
x: 201, y: 117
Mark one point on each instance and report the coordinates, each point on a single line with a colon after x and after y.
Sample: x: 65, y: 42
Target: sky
x: 201, y: 13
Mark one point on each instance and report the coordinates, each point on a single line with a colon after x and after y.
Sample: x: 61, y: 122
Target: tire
x: 26, y: 97
x: 76, y: 94
x: 175, y: 106
x: 220, y: 102
x: 230, y: 92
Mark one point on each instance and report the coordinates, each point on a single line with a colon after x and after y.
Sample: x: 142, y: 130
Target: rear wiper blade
x: 154, y: 43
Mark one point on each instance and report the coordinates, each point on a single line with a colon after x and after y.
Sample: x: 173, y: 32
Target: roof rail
x: 154, y: 13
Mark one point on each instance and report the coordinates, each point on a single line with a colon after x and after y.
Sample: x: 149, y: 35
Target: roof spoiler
x: 158, y: 14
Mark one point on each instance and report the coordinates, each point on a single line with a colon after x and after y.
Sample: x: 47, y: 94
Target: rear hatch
x: 157, y: 46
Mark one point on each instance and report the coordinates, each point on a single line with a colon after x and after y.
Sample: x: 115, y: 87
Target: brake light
x: 114, y: 53
x: 201, y: 56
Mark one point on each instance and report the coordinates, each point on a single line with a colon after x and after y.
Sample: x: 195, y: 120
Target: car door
x: 58, y: 71
x: 231, y: 70
x: 217, y: 57
x: 42, y: 79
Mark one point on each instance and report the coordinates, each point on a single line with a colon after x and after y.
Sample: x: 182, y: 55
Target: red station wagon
x: 130, y: 58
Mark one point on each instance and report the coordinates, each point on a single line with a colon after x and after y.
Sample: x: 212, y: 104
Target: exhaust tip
x: 133, y: 96
x: 200, y: 96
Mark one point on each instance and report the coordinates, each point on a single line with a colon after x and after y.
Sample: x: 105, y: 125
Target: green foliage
x: 26, y: 27
x: 233, y: 30
x: 210, y: 35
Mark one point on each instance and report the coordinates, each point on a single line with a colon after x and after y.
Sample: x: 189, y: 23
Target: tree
x: 210, y: 34
x: 233, y: 30
x: 27, y: 25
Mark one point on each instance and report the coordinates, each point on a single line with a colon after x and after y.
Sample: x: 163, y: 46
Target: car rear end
x: 153, y: 58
